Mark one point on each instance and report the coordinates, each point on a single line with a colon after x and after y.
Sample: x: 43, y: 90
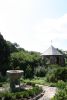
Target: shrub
x: 61, y: 95
x: 29, y: 72
x: 51, y: 78
x: 0, y: 84
x: 40, y: 71
x: 57, y: 74
x: 1, y: 95
x: 37, y: 90
x: 31, y: 93
x: 62, y: 92
x: 21, y: 95
x: 61, y: 84
x: 18, y: 95
x: 30, y: 83
x: 7, y: 96
x: 2, y: 78
x: 25, y: 94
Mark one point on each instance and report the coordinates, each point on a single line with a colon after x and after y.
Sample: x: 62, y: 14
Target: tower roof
x: 52, y: 51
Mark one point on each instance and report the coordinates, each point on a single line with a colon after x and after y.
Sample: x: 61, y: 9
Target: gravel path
x: 49, y: 92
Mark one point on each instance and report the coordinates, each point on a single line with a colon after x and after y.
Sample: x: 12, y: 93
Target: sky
x: 33, y: 24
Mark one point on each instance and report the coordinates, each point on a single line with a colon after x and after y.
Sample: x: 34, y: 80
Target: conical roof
x: 52, y: 51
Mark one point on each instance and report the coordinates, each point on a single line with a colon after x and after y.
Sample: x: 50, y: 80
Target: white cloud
x: 15, y: 16
x: 51, y: 29
x: 18, y: 24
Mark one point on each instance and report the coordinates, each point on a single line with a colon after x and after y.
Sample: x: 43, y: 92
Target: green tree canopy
x: 4, y: 55
x: 26, y: 61
x: 14, y: 47
x: 24, y: 58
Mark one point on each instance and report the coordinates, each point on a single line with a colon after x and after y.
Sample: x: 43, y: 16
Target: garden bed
x: 25, y: 94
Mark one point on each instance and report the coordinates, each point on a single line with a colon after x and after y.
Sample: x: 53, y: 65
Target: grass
x: 37, y: 80
x: 40, y: 81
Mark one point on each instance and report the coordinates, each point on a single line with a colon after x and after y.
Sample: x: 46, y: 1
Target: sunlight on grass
x: 36, y: 80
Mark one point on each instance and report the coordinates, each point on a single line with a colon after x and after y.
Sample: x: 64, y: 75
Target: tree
x: 12, y: 46
x: 4, y: 55
x: 25, y: 60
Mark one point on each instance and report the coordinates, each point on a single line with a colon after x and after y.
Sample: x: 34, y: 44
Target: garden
x: 36, y: 72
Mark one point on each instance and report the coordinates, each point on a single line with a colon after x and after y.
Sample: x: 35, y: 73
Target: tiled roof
x: 52, y: 51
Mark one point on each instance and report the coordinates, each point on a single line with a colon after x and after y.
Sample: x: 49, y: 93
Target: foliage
x: 57, y: 74
x: 25, y: 61
x: 0, y: 84
x: 40, y: 71
x: 4, y: 55
x: 29, y: 72
x: 61, y: 84
x: 3, y: 78
x: 30, y: 83
x: 25, y: 58
x: 62, y: 91
x: 12, y: 46
x: 37, y: 80
x: 21, y: 95
x: 60, y: 95
x: 7, y: 96
x: 18, y: 58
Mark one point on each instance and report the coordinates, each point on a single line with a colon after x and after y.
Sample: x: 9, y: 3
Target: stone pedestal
x: 14, y: 76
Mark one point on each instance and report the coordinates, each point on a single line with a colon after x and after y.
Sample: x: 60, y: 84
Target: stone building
x: 53, y: 56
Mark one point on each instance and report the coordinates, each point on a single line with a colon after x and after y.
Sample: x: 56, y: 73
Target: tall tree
x: 4, y: 55
x: 12, y: 46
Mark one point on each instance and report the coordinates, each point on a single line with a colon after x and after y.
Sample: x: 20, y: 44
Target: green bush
x: 61, y: 95
x: 21, y: 95
x: 29, y: 72
x: 37, y: 90
x: 61, y: 84
x: 57, y: 74
x: 3, y: 78
x: 0, y: 84
x: 18, y: 95
x: 51, y: 78
x: 30, y: 83
x: 1, y: 95
x: 8, y: 96
x: 40, y: 71
x: 62, y: 91
x: 31, y: 93
x: 25, y: 94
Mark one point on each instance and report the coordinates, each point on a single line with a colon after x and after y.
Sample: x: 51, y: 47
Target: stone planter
x: 14, y: 76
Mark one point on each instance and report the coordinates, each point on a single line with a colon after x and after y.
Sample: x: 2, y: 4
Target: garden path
x: 49, y: 92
